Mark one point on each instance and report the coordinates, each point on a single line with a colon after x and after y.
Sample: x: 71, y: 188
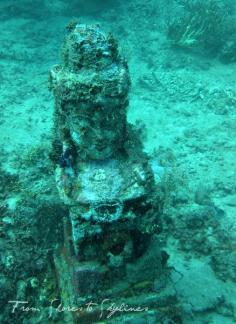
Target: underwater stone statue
x: 111, y: 237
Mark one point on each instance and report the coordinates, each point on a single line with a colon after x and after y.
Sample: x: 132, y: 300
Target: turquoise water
x: 175, y: 257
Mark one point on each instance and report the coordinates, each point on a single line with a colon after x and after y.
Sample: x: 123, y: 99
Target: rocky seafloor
x: 183, y: 100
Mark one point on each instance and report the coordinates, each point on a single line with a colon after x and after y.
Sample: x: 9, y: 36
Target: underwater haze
x: 118, y: 161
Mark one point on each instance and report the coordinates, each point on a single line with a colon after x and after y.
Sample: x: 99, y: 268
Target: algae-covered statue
x: 111, y: 246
